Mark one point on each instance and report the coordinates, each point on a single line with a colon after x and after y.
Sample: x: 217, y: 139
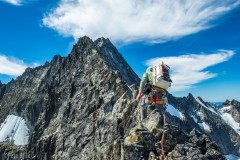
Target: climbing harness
x: 156, y: 96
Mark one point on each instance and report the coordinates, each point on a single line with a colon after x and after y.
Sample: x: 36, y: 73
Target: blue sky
x: 199, y: 40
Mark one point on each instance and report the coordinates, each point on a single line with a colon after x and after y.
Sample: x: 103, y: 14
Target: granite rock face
x: 82, y: 107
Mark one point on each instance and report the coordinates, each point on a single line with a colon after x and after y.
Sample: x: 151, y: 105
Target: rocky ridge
x: 207, y: 119
x: 81, y: 107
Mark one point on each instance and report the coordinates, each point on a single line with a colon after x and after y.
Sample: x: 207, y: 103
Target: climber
x: 152, y: 91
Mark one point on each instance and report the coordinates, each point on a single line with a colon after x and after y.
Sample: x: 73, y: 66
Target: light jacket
x: 147, y: 77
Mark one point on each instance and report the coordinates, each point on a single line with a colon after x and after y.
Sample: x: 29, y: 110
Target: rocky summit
x: 82, y: 107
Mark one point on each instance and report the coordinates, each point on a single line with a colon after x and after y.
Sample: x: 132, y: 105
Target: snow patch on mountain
x: 212, y: 109
x: 229, y: 120
x: 203, y: 124
x: 194, y: 118
x: 174, y: 112
x: 14, y: 129
x: 200, y: 102
x: 232, y: 157
x: 207, y: 107
x: 224, y: 109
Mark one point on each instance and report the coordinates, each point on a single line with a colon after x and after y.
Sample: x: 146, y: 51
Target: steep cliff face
x: 62, y: 97
x: 81, y: 107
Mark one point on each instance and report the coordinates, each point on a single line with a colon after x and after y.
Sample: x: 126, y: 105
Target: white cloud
x: 18, y: 2
x: 14, y: 2
x: 133, y: 20
x: 11, y: 66
x: 187, y: 70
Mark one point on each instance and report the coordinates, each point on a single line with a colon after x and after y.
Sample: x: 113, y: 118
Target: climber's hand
x: 138, y: 97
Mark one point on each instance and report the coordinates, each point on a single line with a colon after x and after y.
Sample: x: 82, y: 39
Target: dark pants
x: 144, y: 108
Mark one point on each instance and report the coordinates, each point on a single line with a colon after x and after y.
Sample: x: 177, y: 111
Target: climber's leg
x: 143, y: 109
x: 161, y: 110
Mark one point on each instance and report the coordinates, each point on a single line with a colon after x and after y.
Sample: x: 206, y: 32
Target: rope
x: 162, y: 139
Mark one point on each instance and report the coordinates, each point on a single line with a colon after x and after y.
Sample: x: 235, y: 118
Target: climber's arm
x: 142, y: 84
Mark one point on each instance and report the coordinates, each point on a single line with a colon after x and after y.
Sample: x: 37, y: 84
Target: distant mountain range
x: 82, y: 107
x: 216, y: 104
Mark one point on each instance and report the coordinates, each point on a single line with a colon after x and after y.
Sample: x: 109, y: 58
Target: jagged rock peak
x: 190, y: 97
x: 84, y: 40
x: 100, y: 42
x: 234, y: 110
x: 226, y: 102
x: 233, y: 102
x: 103, y: 48
x: 57, y: 58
